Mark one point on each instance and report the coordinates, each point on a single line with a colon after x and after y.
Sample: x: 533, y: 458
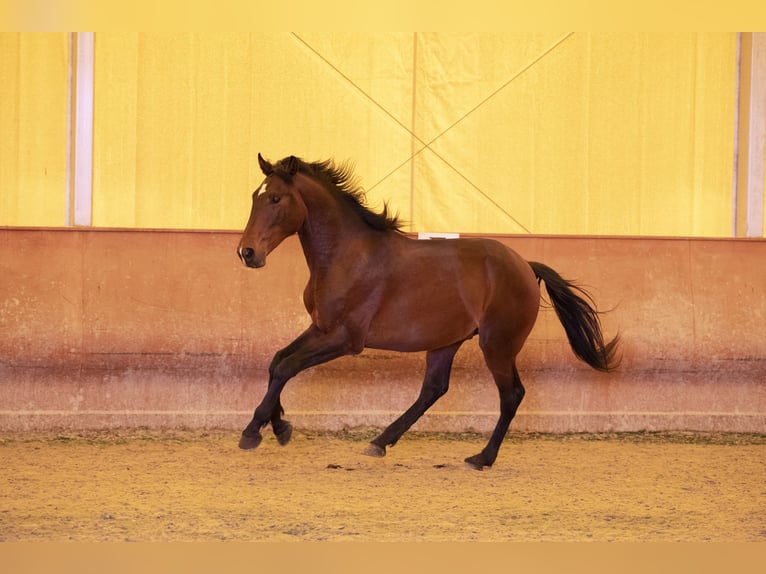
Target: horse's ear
x: 292, y: 165
x: 266, y: 167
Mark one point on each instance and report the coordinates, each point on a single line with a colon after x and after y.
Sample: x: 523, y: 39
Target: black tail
x: 579, y: 318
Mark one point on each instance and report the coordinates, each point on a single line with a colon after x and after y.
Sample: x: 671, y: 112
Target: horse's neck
x: 328, y: 231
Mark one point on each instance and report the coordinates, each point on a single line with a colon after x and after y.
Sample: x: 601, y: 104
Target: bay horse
x: 372, y: 286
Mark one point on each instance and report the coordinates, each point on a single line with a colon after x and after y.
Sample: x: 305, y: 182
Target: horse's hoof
x: 285, y: 433
x: 375, y: 450
x: 250, y: 442
x: 476, y: 462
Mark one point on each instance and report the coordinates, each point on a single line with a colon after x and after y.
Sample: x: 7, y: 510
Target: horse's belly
x: 415, y: 342
x: 421, y: 324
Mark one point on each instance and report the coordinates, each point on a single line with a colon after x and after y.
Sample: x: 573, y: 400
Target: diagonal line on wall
x: 460, y: 174
x: 427, y: 145
x: 512, y: 79
x: 356, y: 86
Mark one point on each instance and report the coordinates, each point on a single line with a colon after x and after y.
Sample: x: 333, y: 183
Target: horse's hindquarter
x: 514, y: 301
x: 437, y: 292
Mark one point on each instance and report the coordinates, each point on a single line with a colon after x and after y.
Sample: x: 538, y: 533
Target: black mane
x: 340, y: 180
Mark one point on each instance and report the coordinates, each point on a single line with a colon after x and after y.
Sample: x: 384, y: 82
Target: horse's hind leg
x: 511, y: 393
x: 435, y: 384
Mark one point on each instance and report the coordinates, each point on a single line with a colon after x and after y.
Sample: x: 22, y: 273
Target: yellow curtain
x: 33, y: 124
x: 578, y: 133
x: 181, y: 118
x: 490, y: 133
x: 603, y: 134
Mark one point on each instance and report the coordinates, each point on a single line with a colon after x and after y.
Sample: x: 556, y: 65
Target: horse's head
x: 278, y: 211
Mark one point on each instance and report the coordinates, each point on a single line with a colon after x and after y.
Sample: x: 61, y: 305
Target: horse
x: 372, y: 286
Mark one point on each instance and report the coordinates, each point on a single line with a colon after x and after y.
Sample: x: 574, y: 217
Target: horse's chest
x: 324, y: 308
x: 351, y: 303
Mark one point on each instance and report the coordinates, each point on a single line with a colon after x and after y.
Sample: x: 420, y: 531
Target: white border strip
x: 83, y: 129
x: 735, y: 160
x: 751, y: 136
x: 69, y: 127
x: 429, y: 235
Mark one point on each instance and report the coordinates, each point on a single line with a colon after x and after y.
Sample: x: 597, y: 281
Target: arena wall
x: 166, y: 329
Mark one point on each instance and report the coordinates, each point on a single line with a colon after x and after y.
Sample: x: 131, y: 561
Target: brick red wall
x: 103, y: 328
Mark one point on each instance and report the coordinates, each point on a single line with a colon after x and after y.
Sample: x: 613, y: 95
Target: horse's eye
x: 275, y: 199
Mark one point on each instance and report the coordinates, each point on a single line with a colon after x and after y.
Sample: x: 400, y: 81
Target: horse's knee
x: 434, y: 389
x: 274, y: 362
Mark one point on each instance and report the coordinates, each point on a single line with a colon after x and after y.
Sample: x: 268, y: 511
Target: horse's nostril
x: 245, y: 253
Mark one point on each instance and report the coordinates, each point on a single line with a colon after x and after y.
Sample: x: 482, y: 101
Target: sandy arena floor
x: 197, y: 486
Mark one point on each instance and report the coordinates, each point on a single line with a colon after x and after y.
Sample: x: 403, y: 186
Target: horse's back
x: 481, y: 266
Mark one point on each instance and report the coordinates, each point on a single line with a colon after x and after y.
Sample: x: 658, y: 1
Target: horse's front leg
x: 311, y: 348
x: 282, y: 428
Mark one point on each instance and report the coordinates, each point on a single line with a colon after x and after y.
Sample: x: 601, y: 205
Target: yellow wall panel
x: 491, y: 133
x: 482, y: 129
x: 189, y: 114
x: 310, y: 105
x: 681, y: 130
x: 604, y: 134
x: 172, y: 128
x: 33, y: 124
x: 114, y: 141
x: 561, y: 103
x: 714, y: 136
x: 370, y: 76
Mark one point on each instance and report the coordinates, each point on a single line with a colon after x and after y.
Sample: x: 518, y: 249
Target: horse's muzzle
x: 248, y: 257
